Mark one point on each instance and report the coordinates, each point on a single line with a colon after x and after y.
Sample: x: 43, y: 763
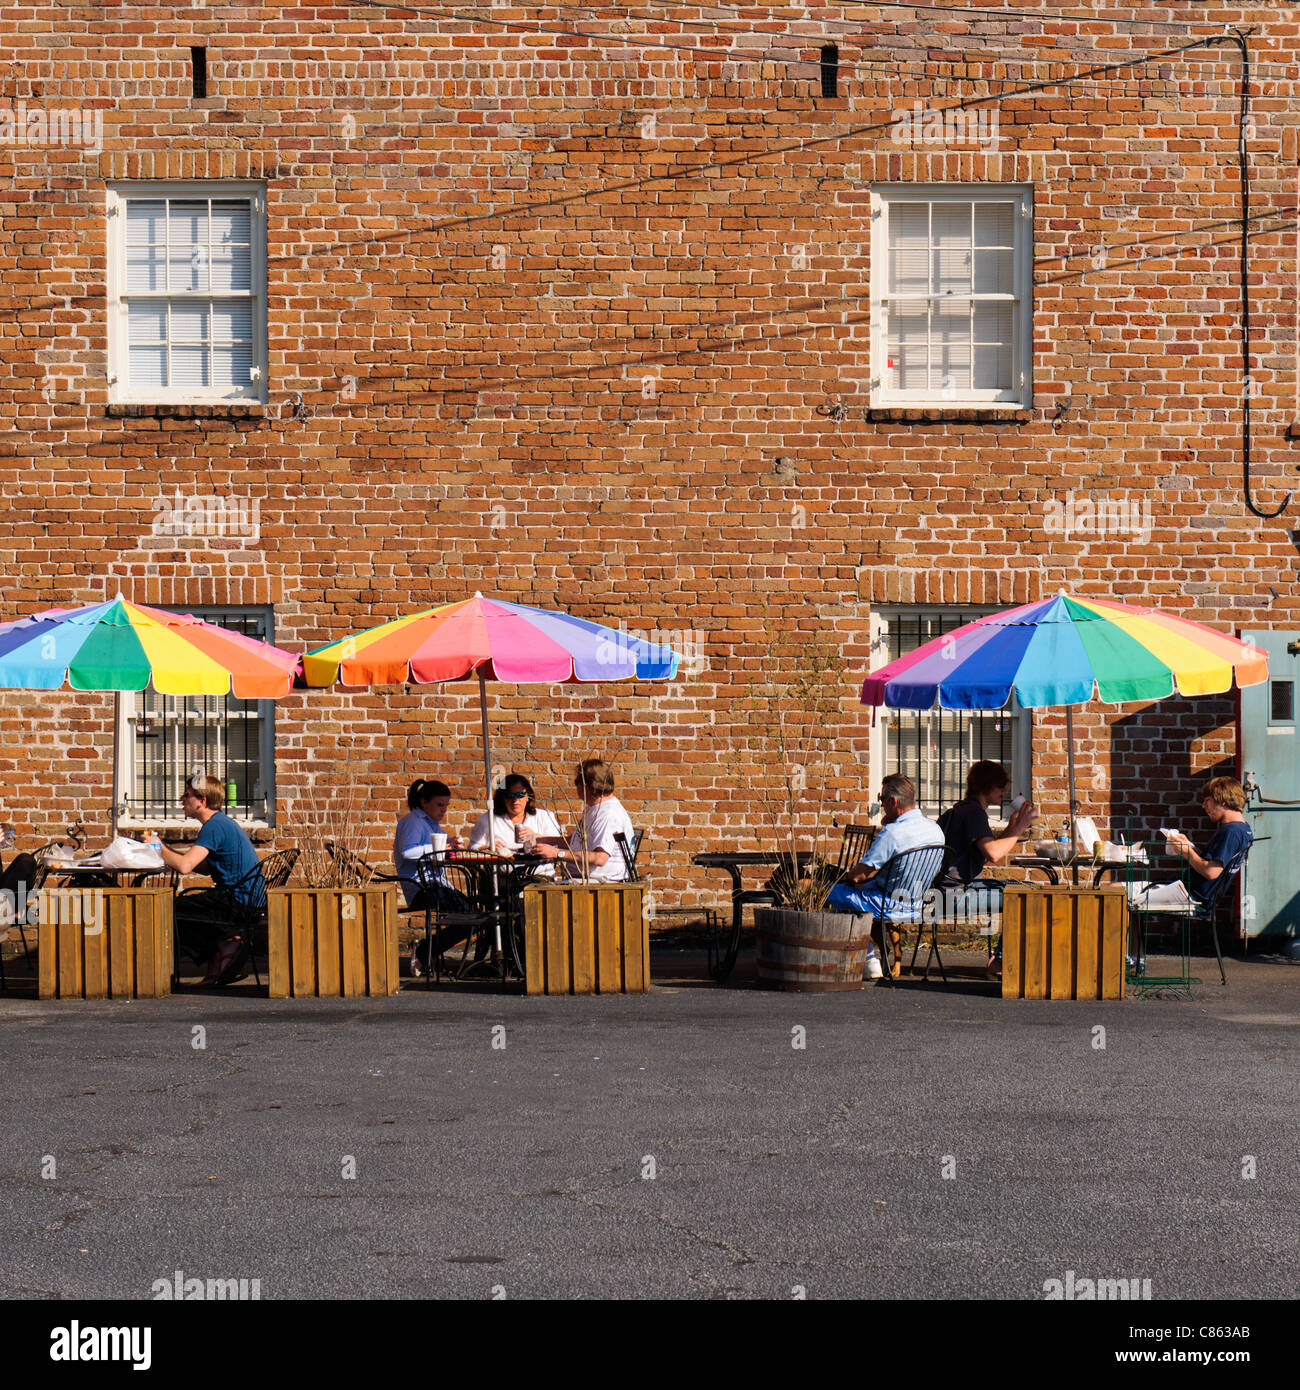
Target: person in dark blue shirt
x: 224, y: 851
x: 1224, y: 801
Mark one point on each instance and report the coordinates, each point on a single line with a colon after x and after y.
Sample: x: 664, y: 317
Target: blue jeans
x: 868, y: 899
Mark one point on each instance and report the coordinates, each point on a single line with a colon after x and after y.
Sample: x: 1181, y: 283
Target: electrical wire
x: 980, y: 12
x: 848, y: 29
x: 1235, y: 36
x: 1243, y: 157
x: 618, y: 40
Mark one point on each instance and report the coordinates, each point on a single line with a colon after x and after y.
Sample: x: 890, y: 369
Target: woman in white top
x: 517, y: 824
x: 592, y: 851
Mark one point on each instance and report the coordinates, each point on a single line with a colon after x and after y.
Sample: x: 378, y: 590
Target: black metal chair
x: 353, y: 871
x: 905, y: 884
x: 853, y: 848
x: 21, y: 909
x: 630, y: 852
x: 1206, y: 911
x: 444, y: 916
x: 242, y: 905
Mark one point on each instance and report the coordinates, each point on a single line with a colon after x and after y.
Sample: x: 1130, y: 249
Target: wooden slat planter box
x: 105, y: 943
x: 332, y: 942
x: 1063, y: 942
x: 586, y: 938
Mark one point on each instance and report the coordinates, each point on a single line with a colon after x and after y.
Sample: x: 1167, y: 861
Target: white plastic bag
x: 130, y: 854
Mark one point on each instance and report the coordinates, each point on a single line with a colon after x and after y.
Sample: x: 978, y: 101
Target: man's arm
x: 996, y: 847
x: 186, y: 863
x: 554, y: 848
x: 1207, y: 868
x: 882, y: 848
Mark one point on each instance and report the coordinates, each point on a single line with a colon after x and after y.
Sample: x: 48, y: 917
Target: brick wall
x: 480, y: 249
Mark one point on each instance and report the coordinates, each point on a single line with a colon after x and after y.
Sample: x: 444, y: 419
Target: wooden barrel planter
x: 812, y: 952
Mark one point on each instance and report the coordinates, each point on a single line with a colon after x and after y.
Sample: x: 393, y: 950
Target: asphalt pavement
x: 696, y: 1142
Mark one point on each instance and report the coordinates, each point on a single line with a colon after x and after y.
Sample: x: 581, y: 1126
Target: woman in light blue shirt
x: 428, y: 802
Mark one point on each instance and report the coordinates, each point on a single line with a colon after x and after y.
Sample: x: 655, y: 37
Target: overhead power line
x: 715, y: 55
x: 980, y: 13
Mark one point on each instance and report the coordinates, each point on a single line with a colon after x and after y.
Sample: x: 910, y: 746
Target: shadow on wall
x: 1161, y: 756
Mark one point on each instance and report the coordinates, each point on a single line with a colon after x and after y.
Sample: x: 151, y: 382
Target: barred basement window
x: 165, y: 738
x: 935, y: 747
x: 951, y: 296
x: 187, y: 293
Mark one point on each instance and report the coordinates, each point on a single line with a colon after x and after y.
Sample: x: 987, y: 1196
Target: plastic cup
x: 439, y: 842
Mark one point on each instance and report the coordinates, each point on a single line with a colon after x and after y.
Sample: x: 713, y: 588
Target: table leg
x: 725, y: 961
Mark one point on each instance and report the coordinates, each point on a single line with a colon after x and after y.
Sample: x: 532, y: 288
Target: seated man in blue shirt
x: 225, y: 852
x: 1223, y: 800
x: 903, y: 827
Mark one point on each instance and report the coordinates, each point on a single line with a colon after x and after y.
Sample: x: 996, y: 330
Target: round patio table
x: 96, y: 876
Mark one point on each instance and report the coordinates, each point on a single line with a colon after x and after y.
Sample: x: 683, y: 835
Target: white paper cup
x: 439, y: 842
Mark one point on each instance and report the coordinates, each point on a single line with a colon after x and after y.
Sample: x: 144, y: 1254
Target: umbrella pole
x: 1069, y: 752
x: 117, y: 739
x: 487, y: 792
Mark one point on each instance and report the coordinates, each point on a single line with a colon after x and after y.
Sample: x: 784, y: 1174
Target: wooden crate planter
x: 1063, y: 942
x: 586, y: 938
x: 105, y: 943
x: 331, y: 943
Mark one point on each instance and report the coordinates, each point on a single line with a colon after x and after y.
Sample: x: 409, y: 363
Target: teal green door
x: 1269, y: 745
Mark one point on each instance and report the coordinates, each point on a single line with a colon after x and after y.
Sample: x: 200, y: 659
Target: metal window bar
x: 935, y: 747
x: 227, y: 736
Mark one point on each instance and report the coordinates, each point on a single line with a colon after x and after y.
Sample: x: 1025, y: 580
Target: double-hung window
x: 187, y: 292
x: 935, y: 747
x: 951, y: 300
x: 168, y: 738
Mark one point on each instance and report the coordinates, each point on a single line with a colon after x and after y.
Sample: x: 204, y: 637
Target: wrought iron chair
x: 445, y: 918
x: 853, y: 848
x: 905, y: 883
x: 630, y: 852
x: 1206, y: 911
x: 20, y: 913
x: 242, y: 905
x: 353, y: 871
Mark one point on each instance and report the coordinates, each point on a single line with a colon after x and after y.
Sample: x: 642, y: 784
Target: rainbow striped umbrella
x: 1062, y: 651
x: 493, y: 638
x: 123, y: 646
x: 488, y: 637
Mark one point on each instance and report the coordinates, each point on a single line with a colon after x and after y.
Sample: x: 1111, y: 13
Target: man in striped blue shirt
x: 902, y: 827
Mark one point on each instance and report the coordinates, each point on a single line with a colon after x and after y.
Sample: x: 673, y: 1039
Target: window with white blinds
x: 167, y: 738
x: 951, y: 295
x: 188, y: 304
x: 935, y: 747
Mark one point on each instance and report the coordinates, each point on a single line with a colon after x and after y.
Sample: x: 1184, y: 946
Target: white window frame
x: 129, y: 707
x: 119, y: 387
x: 1020, y: 395
x: 1023, y: 719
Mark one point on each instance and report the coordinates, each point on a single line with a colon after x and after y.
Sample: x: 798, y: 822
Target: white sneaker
x: 874, y: 971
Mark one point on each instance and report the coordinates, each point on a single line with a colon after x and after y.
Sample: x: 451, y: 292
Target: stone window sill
x: 186, y: 832
x: 183, y: 410
x: 920, y: 415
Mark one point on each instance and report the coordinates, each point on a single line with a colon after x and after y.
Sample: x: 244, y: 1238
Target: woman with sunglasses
x: 517, y: 824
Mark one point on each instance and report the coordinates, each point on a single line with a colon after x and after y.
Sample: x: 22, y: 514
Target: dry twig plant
x: 790, y: 755
x: 332, y: 818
